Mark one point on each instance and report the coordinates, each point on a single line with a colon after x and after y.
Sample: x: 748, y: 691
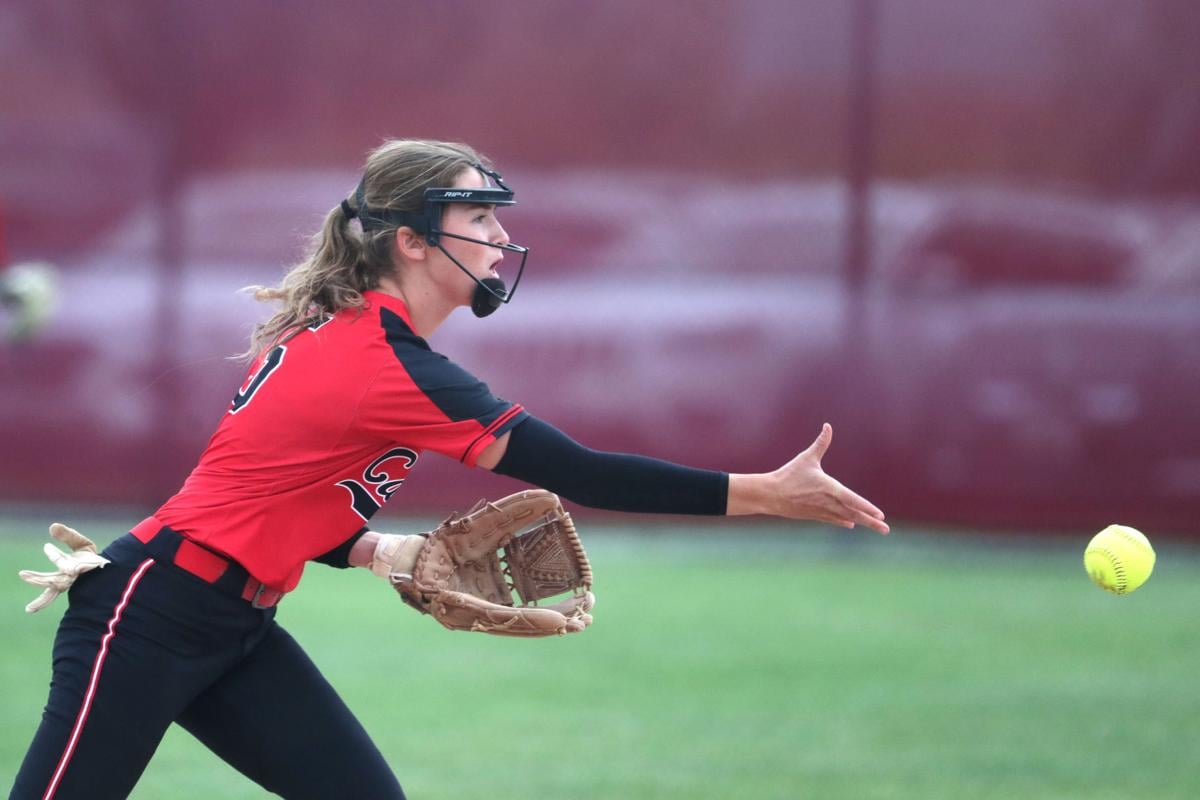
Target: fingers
x: 48, y: 580
x: 74, y: 563
x: 817, y: 449
x: 61, y: 532
x: 842, y: 515
x: 868, y: 521
x: 858, y: 503
x: 81, y: 558
x: 853, y: 508
x: 851, y: 519
x: 57, y: 557
x: 71, y: 538
x: 840, y: 520
x: 857, y: 508
x: 36, y: 578
x: 52, y: 585
x: 41, y: 601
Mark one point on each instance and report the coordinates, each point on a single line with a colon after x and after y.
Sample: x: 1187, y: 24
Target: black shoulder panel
x: 457, y: 393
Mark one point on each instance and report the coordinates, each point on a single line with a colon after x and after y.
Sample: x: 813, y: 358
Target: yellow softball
x: 1119, y: 559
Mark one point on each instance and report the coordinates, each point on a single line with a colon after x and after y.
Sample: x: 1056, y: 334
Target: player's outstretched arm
x: 540, y: 454
x: 800, y: 489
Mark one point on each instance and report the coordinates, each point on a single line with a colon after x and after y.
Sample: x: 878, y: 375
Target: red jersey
x: 324, y: 429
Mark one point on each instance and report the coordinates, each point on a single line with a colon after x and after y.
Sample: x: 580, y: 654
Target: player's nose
x: 501, y: 236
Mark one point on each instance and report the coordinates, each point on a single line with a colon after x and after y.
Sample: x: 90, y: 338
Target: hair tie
x: 348, y: 211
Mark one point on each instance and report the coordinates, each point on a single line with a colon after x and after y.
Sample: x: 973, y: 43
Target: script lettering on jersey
x: 254, y: 382
x: 380, y: 480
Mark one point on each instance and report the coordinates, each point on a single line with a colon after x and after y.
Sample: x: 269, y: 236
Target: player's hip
x: 143, y: 594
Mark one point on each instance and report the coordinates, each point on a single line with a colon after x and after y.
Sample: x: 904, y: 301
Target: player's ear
x: 410, y: 244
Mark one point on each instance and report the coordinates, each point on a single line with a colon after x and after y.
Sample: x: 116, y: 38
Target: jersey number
x: 247, y: 392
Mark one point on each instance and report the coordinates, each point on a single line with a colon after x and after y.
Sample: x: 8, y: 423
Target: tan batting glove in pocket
x: 81, y: 558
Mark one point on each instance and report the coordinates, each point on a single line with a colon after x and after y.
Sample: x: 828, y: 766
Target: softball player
x: 343, y: 398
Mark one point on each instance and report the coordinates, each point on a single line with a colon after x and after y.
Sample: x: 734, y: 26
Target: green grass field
x: 760, y: 662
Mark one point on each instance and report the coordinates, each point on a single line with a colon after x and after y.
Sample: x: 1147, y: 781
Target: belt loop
x: 202, y: 563
x: 258, y: 593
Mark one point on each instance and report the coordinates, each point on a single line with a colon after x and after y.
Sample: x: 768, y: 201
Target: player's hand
x: 800, y: 489
x: 81, y: 558
x: 394, y: 555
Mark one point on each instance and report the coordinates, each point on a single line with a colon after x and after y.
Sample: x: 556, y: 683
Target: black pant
x: 145, y: 644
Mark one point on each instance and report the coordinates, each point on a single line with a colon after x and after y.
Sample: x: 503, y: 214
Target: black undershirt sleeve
x: 339, y: 556
x: 540, y: 454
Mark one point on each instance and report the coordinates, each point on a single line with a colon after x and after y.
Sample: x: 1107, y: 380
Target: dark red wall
x: 966, y: 234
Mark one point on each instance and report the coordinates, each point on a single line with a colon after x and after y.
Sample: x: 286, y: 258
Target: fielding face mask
x: 490, y: 293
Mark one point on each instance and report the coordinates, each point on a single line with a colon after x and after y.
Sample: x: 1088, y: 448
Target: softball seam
x: 1118, y: 568
x: 1135, y: 543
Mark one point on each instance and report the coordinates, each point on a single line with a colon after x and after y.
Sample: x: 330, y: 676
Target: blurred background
x: 966, y: 234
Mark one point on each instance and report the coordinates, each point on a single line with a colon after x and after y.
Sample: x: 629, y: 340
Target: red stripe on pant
x: 95, y: 679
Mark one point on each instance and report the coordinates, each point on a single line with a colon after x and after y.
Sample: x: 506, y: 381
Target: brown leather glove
x: 480, y: 572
